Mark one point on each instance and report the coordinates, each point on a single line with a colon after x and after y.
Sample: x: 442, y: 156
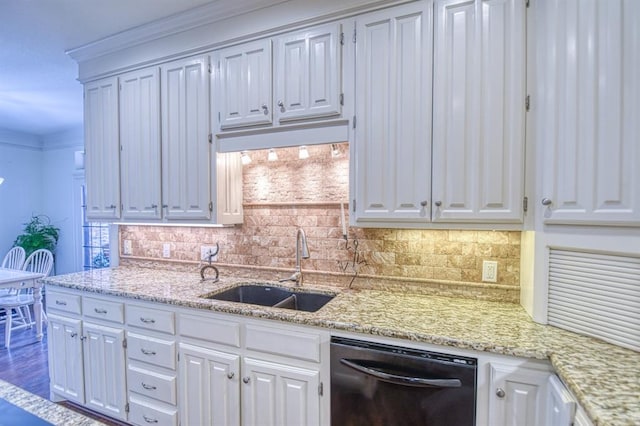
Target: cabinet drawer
x: 210, y: 329
x: 152, y: 384
x: 289, y: 343
x: 63, y: 302
x: 151, y: 319
x: 103, y: 309
x: 145, y: 413
x: 154, y: 351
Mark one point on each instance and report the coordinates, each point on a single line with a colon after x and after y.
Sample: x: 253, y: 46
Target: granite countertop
x: 42, y: 408
x: 605, y: 378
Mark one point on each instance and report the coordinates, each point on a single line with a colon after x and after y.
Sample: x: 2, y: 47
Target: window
x: 95, y: 240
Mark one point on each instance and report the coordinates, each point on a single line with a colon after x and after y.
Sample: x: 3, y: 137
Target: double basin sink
x: 276, y: 297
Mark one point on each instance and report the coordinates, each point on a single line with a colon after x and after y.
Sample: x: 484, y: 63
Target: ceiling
x: 39, y: 93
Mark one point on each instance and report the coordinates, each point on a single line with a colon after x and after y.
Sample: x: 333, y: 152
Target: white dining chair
x: 14, y: 259
x: 17, y: 307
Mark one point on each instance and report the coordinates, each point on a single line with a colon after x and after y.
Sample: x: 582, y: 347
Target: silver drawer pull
x: 149, y: 419
x: 100, y: 311
x: 147, y: 320
x: 147, y: 352
x: 148, y: 387
x: 74, y: 334
x: 61, y: 303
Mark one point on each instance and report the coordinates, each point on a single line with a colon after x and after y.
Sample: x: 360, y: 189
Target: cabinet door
x: 561, y: 406
x: 392, y: 154
x: 243, y: 85
x: 479, y: 111
x: 102, y: 149
x: 307, y: 73
x: 517, y: 396
x: 140, y: 144
x: 104, y: 366
x: 186, y: 175
x: 589, y: 109
x: 279, y: 395
x: 209, y: 387
x: 65, y: 357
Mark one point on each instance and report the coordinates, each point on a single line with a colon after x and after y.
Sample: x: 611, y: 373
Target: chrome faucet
x: 301, y: 244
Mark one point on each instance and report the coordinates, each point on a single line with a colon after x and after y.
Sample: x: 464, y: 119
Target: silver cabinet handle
x: 100, y: 311
x: 438, y: 203
x: 281, y: 105
x: 500, y: 393
x: 111, y: 207
x: 246, y: 379
x: 148, y: 387
x: 265, y: 109
x: 149, y: 419
x: 147, y: 320
x: 74, y: 334
x: 83, y: 338
x: 423, y: 203
x: 147, y: 351
x: 546, y: 202
x: 61, y: 303
x: 230, y: 375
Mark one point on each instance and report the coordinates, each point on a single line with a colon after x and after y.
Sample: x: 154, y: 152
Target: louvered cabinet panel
x: 479, y: 109
x: 589, y: 104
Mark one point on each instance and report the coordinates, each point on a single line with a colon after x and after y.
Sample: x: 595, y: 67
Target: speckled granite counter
x: 42, y: 408
x: 605, y: 378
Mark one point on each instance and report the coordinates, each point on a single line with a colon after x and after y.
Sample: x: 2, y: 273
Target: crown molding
x: 203, y: 15
x: 20, y: 140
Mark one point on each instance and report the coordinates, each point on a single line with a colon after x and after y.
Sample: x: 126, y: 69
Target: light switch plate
x: 126, y: 247
x: 489, y: 271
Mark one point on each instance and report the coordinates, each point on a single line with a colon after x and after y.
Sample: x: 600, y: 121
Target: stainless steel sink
x: 276, y: 297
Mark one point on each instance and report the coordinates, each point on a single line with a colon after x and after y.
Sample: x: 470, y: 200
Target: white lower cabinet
x: 65, y: 351
x: 517, y: 395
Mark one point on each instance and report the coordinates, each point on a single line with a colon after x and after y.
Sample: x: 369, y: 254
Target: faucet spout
x: 302, y: 252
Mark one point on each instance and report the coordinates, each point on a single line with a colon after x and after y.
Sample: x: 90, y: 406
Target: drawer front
x: 63, y: 302
x: 210, y: 329
x: 151, y: 319
x: 289, y: 343
x: 144, y: 413
x: 152, y: 384
x: 151, y: 350
x: 103, y: 309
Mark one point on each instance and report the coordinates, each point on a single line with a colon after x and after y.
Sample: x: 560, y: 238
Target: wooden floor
x: 25, y: 365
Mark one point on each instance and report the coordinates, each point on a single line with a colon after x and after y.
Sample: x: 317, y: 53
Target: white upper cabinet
x: 140, y: 144
x: 102, y: 148
x: 186, y: 191
x: 300, y: 80
x: 243, y: 85
x: 392, y: 153
x: 479, y: 111
x: 307, y: 73
x: 588, y: 63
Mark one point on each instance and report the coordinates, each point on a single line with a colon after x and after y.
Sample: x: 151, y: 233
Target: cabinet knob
x: 281, y: 105
x: 265, y: 109
x: 230, y: 375
x: 438, y: 203
x: 500, y: 393
x: 111, y: 207
x: 246, y: 379
x: 74, y: 334
x: 423, y: 203
x: 546, y: 202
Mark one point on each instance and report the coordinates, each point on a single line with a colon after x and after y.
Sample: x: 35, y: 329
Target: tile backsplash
x: 289, y: 193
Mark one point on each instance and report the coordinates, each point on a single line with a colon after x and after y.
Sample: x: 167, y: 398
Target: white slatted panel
x: 596, y: 295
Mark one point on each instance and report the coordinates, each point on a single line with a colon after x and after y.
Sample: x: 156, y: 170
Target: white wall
x: 20, y: 194
x: 58, y: 172
x: 39, y: 179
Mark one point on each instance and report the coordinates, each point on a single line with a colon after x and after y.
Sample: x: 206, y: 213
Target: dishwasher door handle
x: 378, y: 373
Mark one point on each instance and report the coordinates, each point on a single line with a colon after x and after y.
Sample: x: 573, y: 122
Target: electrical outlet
x: 489, y: 271
x: 166, y: 250
x: 206, y: 251
x: 126, y: 249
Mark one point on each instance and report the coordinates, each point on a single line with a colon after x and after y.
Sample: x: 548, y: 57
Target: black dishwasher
x: 375, y: 384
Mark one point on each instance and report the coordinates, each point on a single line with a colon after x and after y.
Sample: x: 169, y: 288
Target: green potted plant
x: 38, y: 234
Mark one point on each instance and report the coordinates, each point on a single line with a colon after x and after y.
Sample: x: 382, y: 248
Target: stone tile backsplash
x: 281, y: 196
